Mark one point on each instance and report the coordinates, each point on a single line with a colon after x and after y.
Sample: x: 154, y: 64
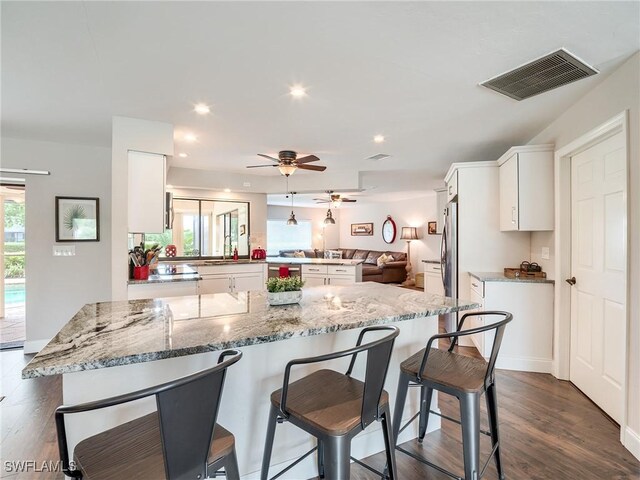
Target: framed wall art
x: 77, y: 219
x: 361, y: 229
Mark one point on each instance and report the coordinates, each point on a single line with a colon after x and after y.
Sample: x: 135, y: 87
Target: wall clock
x: 389, y: 230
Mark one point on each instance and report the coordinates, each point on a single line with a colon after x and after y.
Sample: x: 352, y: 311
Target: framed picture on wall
x: 431, y: 228
x: 361, y: 229
x: 77, y: 219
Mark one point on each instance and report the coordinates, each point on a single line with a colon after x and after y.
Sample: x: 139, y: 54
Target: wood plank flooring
x: 549, y: 431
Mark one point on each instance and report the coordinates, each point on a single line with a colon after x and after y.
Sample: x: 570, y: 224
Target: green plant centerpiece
x: 284, y: 290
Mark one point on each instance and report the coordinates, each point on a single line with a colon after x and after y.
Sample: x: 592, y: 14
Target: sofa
x: 390, y: 272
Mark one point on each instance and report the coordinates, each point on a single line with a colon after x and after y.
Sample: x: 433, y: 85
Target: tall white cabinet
x: 482, y: 247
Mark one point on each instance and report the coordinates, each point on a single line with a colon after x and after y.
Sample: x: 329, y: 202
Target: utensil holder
x: 141, y: 273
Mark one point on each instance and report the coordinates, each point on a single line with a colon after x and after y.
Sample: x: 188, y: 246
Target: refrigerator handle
x: 443, y: 255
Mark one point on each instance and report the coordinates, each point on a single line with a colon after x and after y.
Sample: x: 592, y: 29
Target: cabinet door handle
x: 340, y: 270
x: 474, y: 284
x: 450, y: 187
x: 513, y: 215
x: 329, y: 281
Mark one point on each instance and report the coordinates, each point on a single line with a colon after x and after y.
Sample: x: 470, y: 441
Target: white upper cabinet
x: 441, y: 203
x: 526, y: 188
x: 147, y: 179
x: 452, y: 185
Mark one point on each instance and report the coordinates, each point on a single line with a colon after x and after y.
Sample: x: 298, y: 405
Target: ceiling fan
x: 334, y: 199
x: 288, y: 162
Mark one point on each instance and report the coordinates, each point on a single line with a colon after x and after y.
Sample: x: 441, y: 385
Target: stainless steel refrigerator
x: 449, y: 260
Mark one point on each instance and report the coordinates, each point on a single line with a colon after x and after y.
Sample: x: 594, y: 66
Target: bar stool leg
x: 231, y: 470
x: 426, y: 394
x: 268, y: 444
x: 401, y: 397
x: 337, y: 458
x: 470, y: 422
x: 389, y: 444
x: 492, y: 409
x: 320, y: 459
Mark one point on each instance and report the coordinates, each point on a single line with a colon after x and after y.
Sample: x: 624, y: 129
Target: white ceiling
x: 407, y: 70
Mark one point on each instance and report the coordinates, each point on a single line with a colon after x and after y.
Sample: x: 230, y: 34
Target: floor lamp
x: 408, y: 234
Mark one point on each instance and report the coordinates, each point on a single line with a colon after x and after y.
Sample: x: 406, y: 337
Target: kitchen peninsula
x: 147, y: 342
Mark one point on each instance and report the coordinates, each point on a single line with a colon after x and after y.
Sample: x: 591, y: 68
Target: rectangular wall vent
x: 541, y: 75
x: 379, y: 156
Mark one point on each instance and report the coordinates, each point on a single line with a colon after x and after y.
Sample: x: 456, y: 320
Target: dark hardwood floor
x: 549, y: 431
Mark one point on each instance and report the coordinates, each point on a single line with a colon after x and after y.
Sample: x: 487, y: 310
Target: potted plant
x: 284, y: 290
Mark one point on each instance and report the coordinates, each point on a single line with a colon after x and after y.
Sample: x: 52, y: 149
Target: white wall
x: 316, y: 216
x: 416, y: 212
x: 619, y: 92
x: 57, y: 287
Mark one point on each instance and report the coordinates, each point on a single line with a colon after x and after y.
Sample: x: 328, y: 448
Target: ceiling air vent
x: 546, y: 73
x: 378, y: 156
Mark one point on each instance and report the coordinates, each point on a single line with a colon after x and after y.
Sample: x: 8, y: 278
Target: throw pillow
x: 382, y: 259
x: 298, y: 254
x: 332, y: 254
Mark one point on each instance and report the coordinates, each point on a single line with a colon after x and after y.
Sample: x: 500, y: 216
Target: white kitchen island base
x: 245, y: 402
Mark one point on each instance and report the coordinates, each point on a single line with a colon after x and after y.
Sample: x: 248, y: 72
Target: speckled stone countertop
x: 314, y: 261
x: 126, y: 332
x: 499, y: 277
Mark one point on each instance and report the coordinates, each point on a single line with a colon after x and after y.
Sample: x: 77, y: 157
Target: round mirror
x: 389, y: 230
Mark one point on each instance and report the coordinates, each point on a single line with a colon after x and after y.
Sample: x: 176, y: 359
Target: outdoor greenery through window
x: 281, y: 236
x: 205, y: 228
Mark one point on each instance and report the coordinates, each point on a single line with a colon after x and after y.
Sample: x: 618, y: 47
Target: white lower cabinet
x: 138, y: 291
x: 527, y: 344
x: 315, y: 275
x: 433, y: 279
x: 232, y: 278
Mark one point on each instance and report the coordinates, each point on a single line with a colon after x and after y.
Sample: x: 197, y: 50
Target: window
x: 205, y: 228
x: 281, y: 236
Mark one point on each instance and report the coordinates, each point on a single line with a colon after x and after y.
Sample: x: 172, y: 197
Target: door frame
x: 562, y: 263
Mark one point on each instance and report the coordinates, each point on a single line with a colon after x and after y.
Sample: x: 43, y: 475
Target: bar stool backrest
x: 378, y: 357
x: 187, y: 413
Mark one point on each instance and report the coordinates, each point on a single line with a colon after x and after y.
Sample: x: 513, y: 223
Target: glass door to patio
x: 12, y: 289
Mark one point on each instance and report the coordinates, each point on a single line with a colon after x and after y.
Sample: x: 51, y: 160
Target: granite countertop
x: 500, y: 277
x: 126, y: 332
x: 167, y: 273
x: 314, y: 261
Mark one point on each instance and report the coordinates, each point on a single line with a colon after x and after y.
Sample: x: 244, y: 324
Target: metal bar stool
x: 334, y: 407
x: 464, y: 377
x: 181, y: 440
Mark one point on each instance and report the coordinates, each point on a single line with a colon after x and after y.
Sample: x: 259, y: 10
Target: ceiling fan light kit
x: 288, y: 162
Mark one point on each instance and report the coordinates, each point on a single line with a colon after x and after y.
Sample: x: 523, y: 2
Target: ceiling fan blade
x: 348, y: 200
x: 307, y: 159
x: 269, y: 157
x: 260, y: 166
x: 316, y: 168
x: 319, y: 200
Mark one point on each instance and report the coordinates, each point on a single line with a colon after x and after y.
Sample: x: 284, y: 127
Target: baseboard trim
x: 632, y: 442
x: 525, y: 364
x: 34, y: 346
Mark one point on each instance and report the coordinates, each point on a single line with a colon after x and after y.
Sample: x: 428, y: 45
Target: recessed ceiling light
x: 378, y: 138
x: 298, y: 91
x: 201, y: 109
x: 227, y: 190
x: 183, y: 155
x: 190, y: 137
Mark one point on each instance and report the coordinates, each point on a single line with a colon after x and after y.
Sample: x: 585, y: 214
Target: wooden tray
x: 517, y: 273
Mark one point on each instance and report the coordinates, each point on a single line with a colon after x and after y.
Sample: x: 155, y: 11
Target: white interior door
x: 598, y: 263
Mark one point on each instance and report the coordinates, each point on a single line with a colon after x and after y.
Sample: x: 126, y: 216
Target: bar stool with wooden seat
x: 464, y: 377
x: 181, y: 440
x: 335, y: 407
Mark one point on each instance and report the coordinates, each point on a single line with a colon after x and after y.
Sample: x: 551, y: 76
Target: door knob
x: 571, y: 281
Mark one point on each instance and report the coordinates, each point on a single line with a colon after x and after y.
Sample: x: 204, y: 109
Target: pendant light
x: 292, y: 218
x: 329, y: 220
